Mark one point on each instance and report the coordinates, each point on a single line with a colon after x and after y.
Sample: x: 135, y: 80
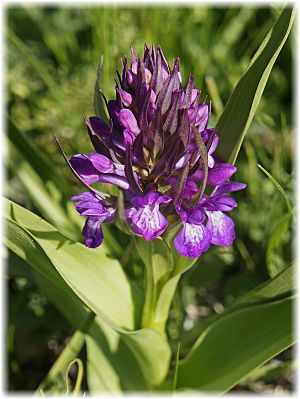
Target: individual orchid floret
x: 158, y: 150
x: 146, y: 216
x: 88, y: 204
x: 195, y: 237
x: 219, y: 224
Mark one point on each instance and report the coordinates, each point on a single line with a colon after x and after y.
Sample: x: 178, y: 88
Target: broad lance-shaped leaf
x: 282, y: 285
x: 276, y: 288
x: 100, y: 283
x: 98, y: 280
x: 242, y: 104
x: 236, y: 344
x: 116, y: 361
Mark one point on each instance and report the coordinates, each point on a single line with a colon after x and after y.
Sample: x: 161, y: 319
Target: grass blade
x: 278, y: 188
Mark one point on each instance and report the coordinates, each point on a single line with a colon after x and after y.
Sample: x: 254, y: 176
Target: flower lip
x: 92, y: 232
x: 194, y: 238
x: 221, y: 227
x: 146, y: 216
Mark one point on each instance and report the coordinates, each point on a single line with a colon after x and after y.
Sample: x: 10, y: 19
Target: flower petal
x: 149, y: 222
x: 128, y: 121
x: 84, y: 167
x: 92, y: 233
x: 129, y: 137
x: 114, y: 179
x: 221, y: 172
x: 214, y: 144
x: 190, y: 189
x: 126, y: 97
x: 101, y: 162
x: 192, y: 240
x: 99, y: 127
x: 229, y: 187
x: 150, y: 198
x: 201, y: 117
x: 221, y: 227
x: 90, y: 205
x: 223, y: 203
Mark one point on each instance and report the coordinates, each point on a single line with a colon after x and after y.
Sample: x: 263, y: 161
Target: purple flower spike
x: 150, y: 150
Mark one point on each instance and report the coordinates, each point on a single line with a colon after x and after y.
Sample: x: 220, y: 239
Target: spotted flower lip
x: 146, y: 216
x: 150, y: 150
x: 194, y: 237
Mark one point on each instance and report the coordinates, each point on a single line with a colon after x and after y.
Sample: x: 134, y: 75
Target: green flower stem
x: 163, y: 268
x: 150, y: 295
x: 160, y: 284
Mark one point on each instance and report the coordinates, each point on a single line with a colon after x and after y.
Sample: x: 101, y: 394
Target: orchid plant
x: 163, y: 176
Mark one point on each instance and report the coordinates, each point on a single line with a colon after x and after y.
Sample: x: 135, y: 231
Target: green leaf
x: 236, y: 344
x: 276, y: 288
x: 98, y: 280
x: 242, y: 104
x: 104, y: 367
x: 26, y: 247
x: 111, y: 366
x: 269, y: 372
x: 115, y: 360
x: 281, y: 285
x: 131, y: 361
x: 274, y: 242
x: 176, y: 368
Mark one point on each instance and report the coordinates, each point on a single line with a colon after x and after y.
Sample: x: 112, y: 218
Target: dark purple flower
x: 158, y: 149
x: 90, y: 205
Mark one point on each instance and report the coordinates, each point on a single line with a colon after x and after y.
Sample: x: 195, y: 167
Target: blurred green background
x: 52, y: 55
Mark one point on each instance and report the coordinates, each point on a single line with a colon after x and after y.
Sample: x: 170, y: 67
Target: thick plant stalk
x: 150, y: 295
x: 159, y: 282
